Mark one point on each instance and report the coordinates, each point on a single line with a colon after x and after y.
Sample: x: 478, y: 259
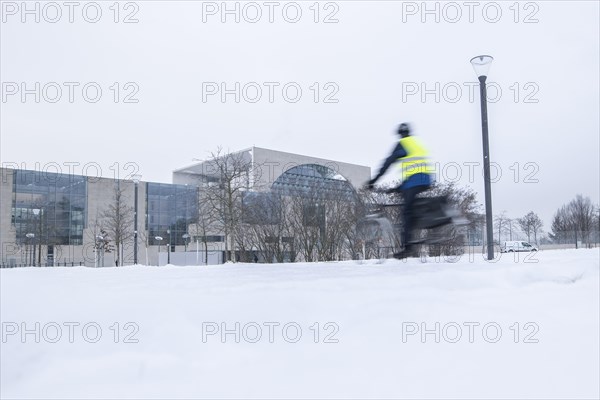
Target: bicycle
x: 379, y: 238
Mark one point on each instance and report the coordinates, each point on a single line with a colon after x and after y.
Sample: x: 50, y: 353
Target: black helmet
x: 404, y: 129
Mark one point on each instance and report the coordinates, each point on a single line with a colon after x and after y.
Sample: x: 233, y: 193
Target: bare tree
x: 503, y: 223
x: 582, y: 215
x: 118, y: 221
x: 530, y: 224
x: 205, y: 222
x: 267, y: 225
x: 305, y: 221
x: 232, y: 174
x: 575, y: 221
x: 596, y: 224
x: 323, y: 221
x: 562, y: 225
x: 98, y: 235
x: 338, y: 219
x: 510, y: 223
x: 536, y: 226
x: 525, y: 226
x: 353, y: 236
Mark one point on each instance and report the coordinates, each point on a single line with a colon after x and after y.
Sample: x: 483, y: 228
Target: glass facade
x: 171, y: 208
x: 50, y: 206
x: 310, y: 180
x: 52, y: 209
x: 261, y: 208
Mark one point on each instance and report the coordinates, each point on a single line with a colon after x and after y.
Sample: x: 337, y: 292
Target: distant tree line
x: 576, y: 222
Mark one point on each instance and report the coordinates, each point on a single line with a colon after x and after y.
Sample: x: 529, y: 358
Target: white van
x: 516, y: 245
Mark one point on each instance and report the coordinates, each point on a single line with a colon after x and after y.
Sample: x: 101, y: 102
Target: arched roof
x: 313, y: 179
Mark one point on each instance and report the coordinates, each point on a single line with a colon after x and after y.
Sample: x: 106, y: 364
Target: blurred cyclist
x: 415, y: 177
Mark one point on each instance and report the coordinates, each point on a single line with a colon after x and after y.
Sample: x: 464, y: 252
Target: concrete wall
x: 183, y: 258
x: 192, y: 175
x: 8, y: 247
x: 272, y: 164
x: 101, y: 192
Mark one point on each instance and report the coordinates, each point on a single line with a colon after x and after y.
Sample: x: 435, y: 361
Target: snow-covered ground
x: 526, y: 328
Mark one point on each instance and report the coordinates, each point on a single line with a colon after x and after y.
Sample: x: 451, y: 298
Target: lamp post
x: 159, y: 240
x: 136, y: 180
x: 39, y: 215
x: 481, y: 65
x: 98, y: 254
x: 185, y: 237
x: 169, y: 247
x: 31, y: 256
x: 197, y: 250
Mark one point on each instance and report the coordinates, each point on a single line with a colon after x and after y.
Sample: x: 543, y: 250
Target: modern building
x: 61, y: 219
x: 278, y: 170
x: 53, y: 219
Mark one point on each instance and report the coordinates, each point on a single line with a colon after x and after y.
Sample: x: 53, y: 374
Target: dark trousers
x: 409, y: 196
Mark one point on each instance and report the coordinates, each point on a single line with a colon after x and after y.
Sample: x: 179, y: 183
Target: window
x: 171, y: 209
x: 311, y: 179
x: 50, y: 205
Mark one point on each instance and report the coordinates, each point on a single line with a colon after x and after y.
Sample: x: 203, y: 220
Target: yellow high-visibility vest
x: 416, y: 159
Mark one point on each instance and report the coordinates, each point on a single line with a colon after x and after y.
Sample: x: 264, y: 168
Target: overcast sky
x: 328, y: 79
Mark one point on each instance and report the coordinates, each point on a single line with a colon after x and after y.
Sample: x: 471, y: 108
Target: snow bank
x: 516, y: 328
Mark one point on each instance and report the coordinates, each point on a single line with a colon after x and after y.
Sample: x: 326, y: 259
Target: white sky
x: 544, y: 125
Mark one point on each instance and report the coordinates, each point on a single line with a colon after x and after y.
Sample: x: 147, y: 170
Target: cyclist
x: 415, y: 177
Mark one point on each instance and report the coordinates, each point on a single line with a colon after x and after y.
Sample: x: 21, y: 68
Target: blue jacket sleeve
x: 398, y: 152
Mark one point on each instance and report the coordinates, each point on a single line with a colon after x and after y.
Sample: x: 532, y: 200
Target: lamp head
x: 481, y: 65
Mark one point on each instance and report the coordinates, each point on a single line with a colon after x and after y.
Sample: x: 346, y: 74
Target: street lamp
x: 159, y: 240
x: 36, y: 212
x: 136, y: 179
x: 169, y: 247
x: 30, y: 236
x: 99, y: 239
x: 185, y: 237
x: 481, y: 65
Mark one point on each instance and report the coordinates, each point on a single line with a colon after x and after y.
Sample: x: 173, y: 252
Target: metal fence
x: 13, y: 264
